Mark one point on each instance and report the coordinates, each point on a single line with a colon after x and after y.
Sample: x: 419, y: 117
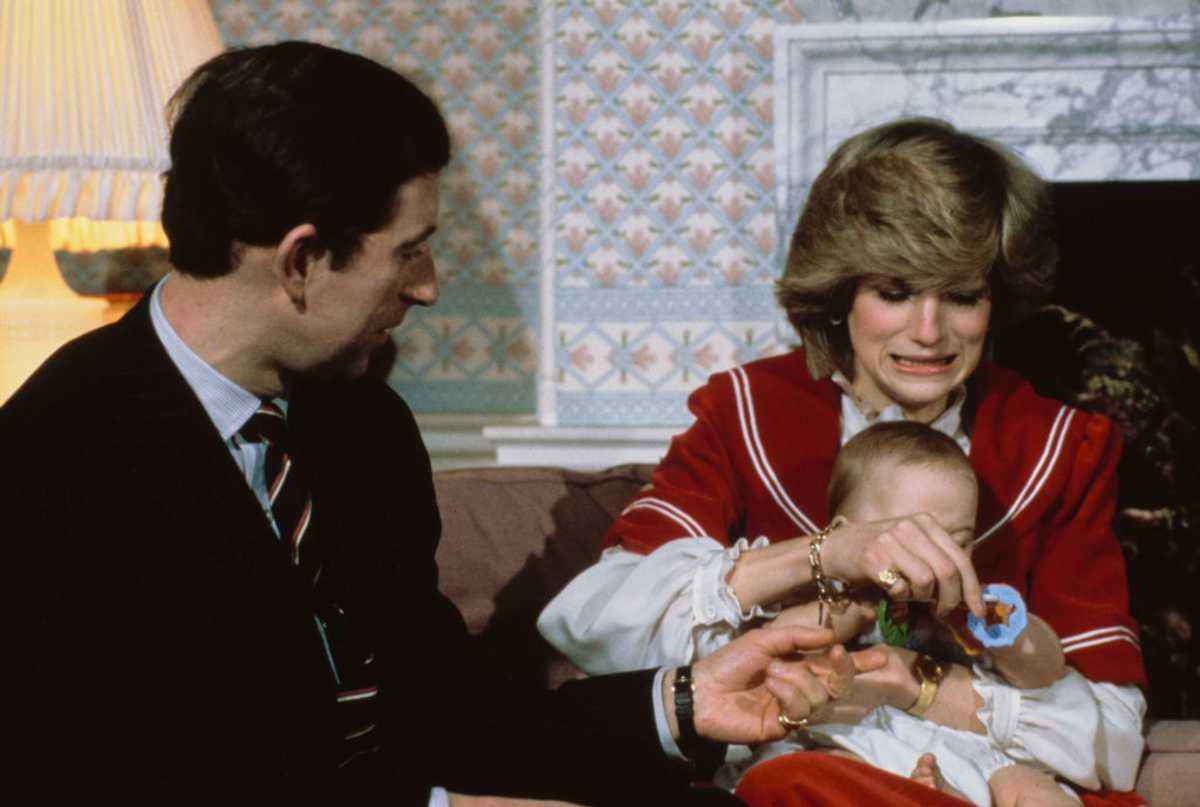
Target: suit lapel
x: 172, y: 446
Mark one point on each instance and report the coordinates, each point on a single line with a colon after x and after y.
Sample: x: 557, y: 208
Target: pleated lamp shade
x: 83, y: 144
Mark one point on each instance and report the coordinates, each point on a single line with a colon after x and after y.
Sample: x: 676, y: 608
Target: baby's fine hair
x: 902, y: 442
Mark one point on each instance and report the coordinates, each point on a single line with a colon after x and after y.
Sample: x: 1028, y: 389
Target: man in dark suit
x: 222, y: 534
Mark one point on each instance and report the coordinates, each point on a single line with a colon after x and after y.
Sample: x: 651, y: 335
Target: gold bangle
x: 929, y: 672
x: 830, y: 591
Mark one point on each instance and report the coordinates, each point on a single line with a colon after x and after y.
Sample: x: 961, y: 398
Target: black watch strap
x: 706, y: 755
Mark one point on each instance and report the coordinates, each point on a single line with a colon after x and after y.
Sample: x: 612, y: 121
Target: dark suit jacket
x: 167, y: 648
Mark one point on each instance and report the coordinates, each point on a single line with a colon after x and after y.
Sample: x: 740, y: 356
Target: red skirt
x: 814, y: 779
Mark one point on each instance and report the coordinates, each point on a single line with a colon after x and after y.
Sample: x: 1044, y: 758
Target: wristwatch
x: 930, y: 672
x: 705, y: 755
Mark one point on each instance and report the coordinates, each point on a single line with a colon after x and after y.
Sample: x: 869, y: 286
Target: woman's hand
x: 929, y: 565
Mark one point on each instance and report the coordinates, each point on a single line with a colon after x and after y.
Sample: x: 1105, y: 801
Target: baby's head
x: 899, y: 468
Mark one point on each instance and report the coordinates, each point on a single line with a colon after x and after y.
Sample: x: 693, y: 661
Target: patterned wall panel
x: 473, y: 352
x: 664, y: 238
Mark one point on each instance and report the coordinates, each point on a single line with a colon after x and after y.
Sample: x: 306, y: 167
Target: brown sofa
x: 512, y: 537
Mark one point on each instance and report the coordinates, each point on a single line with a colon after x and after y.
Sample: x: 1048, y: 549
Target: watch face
x: 929, y: 669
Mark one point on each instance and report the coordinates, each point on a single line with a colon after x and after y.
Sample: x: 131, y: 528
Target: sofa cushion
x: 512, y: 538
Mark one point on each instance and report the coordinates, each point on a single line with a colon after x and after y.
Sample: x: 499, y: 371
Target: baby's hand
x: 1006, y: 619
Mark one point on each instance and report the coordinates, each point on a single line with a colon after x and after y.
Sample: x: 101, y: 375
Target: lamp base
x: 30, y: 330
x: 38, y: 311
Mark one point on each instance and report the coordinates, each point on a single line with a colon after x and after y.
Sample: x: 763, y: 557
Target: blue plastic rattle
x: 1004, y: 633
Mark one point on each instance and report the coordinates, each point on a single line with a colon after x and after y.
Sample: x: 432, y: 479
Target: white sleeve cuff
x: 438, y: 797
x: 713, y: 599
x: 669, y: 746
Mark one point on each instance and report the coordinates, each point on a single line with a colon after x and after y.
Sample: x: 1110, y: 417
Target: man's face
x: 891, y: 490
x: 350, y: 311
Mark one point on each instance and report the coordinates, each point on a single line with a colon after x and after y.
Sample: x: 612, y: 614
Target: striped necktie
x: 349, y: 653
x: 287, y: 489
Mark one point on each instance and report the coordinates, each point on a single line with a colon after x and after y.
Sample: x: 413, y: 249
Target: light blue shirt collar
x: 228, y: 405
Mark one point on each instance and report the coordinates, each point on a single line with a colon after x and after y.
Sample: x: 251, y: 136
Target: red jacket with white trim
x: 758, y: 458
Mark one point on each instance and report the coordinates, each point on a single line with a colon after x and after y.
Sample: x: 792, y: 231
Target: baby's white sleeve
x: 1088, y: 733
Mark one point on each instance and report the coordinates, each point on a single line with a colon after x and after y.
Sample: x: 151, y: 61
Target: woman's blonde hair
x: 921, y: 202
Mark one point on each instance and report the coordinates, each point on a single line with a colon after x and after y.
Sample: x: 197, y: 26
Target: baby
x: 886, y: 471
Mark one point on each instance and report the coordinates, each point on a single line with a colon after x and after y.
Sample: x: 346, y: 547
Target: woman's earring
x: 836, y: 321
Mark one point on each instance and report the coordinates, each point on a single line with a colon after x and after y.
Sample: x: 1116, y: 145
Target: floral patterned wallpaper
x: 474, y: 352
x: 656, y: 244
x: 664, y: 246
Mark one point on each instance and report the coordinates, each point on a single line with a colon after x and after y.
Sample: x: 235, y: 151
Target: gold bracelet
x: 830, y: 591
x: 930, y: 673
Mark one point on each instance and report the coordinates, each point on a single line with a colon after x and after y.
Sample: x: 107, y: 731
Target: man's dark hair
x: 266, y: 138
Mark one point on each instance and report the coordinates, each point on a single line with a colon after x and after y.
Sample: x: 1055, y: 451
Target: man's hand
x: 742, y: 688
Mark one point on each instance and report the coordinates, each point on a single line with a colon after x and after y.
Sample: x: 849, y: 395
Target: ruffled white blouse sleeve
x: 631, y: 611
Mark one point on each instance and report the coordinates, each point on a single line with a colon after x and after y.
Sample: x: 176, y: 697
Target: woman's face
x: 913, y: 348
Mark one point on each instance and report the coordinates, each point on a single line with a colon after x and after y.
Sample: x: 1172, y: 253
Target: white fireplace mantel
x: 1083, y: 99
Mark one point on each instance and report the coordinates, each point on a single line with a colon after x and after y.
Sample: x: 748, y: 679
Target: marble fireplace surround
x: 1083, y: 99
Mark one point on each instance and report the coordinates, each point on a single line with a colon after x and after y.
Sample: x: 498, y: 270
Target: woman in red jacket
x: 916, y: 242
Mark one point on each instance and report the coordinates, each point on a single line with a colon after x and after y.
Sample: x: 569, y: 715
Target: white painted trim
x: 578, y: 447
x: 781, y: 108
x: 547, y: 383
x: 471, y: 441
x: 809, y: 124
x: 457, y: 441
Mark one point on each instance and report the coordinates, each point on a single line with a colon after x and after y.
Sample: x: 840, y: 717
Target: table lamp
x: 83, y: 143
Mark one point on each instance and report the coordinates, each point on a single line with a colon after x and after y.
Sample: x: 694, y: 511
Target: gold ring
x: 889, y: 577
x: 790, y: 724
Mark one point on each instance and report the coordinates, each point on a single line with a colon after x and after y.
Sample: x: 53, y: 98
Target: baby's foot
x: 927, y: 773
